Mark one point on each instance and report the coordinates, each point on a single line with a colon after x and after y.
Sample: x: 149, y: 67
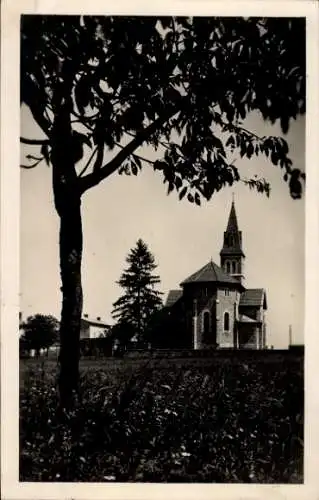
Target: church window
x: 206, y: 322
x: 194, y: 307
x: 227, y: 292
x: 227, y: 267
x: 234, y: 267
x: 226, y: 321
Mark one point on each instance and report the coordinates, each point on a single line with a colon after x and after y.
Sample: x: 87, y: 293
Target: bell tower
x: 231, y: 255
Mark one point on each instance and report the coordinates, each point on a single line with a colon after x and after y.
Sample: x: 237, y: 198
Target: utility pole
x: 195, y: 325
x: 290, y: 326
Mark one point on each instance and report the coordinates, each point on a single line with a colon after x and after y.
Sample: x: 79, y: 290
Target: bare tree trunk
x: 70, y: 264
x: 67, y: 199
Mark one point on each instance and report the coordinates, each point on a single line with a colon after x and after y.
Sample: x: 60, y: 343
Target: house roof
x: 253, y: 297
x: 211, y: 273
x: 172, y: 297
x: 94, y: 322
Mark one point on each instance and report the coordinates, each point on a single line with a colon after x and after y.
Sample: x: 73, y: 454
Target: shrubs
x: 167, y: 422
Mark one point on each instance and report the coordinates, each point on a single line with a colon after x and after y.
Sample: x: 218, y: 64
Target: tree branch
x: 137, y: 156
x: 96, y: 177
x: 87, y: 163
x: 33, y: 164
x: 34, y: 142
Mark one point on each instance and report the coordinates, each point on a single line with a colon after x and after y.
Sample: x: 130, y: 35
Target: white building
x: 92, y: 328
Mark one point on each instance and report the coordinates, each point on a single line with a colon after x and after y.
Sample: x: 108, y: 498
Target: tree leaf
x: 178, y: 182
x: 197, y: 199
x: 182, y: 193
x: 45, y: 153
x: 138, y: 161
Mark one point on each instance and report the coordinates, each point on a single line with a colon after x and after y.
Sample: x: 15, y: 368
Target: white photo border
x: 9, y: 244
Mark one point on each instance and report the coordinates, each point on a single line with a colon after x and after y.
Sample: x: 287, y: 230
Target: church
x: 214, y: 305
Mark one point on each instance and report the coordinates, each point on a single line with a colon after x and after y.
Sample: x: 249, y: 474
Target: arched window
x: 228, y: 267
x: 206, y: 322
x: 226, y: 322
x: 234, y: 270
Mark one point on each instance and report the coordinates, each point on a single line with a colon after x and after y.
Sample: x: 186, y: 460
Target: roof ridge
x: 214, y: 272
x: 214, y: 265
x: 201, y: 271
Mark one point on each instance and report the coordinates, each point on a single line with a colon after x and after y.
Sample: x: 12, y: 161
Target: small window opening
x: 226, y: 321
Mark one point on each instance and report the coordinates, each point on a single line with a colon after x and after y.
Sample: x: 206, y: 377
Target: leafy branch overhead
x: 183, y: 86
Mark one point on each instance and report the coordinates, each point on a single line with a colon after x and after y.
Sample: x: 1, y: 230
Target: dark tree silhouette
x: 39, y: 332
x: 183, y: 86
x: 122, y: 333
x: 168, y: 330
x: 140, y: 298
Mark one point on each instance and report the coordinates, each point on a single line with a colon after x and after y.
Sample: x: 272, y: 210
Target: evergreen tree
x: 140, y: 299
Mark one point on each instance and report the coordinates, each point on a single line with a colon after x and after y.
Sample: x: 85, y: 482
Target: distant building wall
x: 85, y: 330
x: 92, y: 329
x: 96, y: 331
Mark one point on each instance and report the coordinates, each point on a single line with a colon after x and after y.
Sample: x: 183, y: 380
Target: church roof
x: 172, y: 297
x: 253, y: 297
x: 245, y: 319
x: 211, y: 273
x: 232, y: 225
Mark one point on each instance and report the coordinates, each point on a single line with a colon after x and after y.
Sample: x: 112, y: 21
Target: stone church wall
x: 226, y: 303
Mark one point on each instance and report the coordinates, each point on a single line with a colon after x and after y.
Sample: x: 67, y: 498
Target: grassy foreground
x: 165, y: 421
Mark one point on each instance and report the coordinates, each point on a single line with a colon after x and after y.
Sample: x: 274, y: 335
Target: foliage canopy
x: 182, y: 85
x: 39, y: 332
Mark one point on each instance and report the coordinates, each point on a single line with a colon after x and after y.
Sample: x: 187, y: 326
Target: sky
x: 182, y: 236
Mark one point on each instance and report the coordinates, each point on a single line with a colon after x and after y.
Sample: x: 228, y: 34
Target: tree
x: 167, y: 329
x: 39, y: 332
x: 122, y: 333
x: 140, y: 299
x: 101, y: 87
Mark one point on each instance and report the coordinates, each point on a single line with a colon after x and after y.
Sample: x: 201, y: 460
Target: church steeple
x: 232, y: 255
x: 232, y: 226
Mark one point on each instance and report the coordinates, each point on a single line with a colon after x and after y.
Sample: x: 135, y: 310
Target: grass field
x: 165, y: 420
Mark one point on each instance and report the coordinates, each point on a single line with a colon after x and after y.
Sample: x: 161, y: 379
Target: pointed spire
x: 231, y: 254
x: 232, y: 225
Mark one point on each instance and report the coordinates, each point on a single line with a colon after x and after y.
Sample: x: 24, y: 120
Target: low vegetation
x: 165, y: 421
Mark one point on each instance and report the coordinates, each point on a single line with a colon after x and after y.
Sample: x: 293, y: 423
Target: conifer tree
x: 140, y: 299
